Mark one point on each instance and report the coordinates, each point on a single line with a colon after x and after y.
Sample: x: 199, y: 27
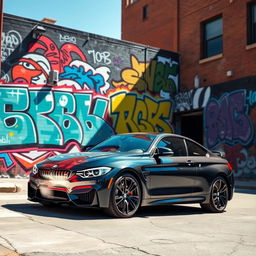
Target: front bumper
x: 82, y: 194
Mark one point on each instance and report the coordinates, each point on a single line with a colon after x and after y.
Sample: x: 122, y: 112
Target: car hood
x: 76, y: 161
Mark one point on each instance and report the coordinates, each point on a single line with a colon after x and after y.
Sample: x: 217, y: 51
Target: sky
x: 102, y: 17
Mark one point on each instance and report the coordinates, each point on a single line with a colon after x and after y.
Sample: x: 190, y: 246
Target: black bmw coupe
x: 127, y: 171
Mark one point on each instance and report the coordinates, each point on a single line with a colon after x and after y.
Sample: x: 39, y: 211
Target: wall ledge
x: 215, y: 57
x: 250, y: 46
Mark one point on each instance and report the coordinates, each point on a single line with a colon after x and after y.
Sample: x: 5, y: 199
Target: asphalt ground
x: 29, y: 229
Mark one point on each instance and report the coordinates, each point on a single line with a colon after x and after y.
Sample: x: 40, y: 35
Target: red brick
x: 160, y: 30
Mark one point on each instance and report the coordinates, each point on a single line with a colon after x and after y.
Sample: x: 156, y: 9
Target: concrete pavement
x: 7, y: 252
x: 29, y: 229
x: 12, y: 185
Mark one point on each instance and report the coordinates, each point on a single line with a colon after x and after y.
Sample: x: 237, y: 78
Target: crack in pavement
x: 203, y: 234
x: 85, y: 234
x: 238, y: 243
x: 182, y: 231
x: 9, y: 243
x: 235, y: 248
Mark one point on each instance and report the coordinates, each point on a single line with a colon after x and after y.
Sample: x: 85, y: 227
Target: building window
x: 145, y: 12
x: 251, y: 20
x: 212, y: 37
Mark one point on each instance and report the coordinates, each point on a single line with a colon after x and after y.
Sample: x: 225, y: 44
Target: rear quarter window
x: 195, y: 150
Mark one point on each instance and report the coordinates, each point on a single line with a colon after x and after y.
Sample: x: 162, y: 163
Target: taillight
x: 229, y: 166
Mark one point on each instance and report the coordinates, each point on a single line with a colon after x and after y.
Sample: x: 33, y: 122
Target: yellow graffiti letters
x: 133, y: 77
x: 133, y: 114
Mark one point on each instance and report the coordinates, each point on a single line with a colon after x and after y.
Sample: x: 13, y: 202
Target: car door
x: 171, y: 176
x: 205, y: 167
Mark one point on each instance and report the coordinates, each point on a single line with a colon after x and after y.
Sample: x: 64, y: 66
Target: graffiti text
x: 227, y: 120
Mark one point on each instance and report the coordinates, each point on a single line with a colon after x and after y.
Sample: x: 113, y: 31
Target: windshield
x: 137, y: 143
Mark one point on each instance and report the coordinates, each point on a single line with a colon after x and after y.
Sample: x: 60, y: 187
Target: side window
x: 251, y: 23
x: 175, y: 144
x: 212, y: 37
x: 195, y: 150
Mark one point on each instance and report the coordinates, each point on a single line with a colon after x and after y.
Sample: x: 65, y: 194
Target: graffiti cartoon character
x: 31, y: 69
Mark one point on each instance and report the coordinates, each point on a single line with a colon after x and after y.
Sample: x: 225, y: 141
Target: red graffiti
x: 42, y: 57
x: 58, y: 58
x: 233, y: 153
x: 29, y: 71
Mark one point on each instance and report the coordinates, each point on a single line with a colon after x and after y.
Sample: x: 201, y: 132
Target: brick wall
x: 235, y: 55
x: 158, y: 30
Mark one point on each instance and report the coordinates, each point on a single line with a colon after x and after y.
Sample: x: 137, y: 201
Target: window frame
x: 204, y: 42
x: 145, y: 12
x: 251, y: 26
x: 187, y: 141
x: 171, y: 139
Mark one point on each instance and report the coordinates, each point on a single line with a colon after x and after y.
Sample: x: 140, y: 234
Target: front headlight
x: 93, y: 172
x: 35, y: 169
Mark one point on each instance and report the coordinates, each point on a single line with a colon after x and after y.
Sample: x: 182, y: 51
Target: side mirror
x: 219, y: 153
x: 161, y: 151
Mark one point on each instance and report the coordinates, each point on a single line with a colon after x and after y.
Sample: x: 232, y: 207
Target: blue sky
x: 101, y: 17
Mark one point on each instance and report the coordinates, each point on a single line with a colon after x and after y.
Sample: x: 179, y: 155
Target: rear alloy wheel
x: 218, y: 196
x: 125, y: 196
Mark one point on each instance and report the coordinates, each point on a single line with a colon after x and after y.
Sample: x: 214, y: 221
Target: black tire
x: 125, y: 196
x: 218, y: 196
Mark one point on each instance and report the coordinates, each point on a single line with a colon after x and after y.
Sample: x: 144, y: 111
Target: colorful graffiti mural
x: 157, y: 76
x: 42, y: 121
x: 192, y: 100
x: 10, y: 41
x: 99, y: 92
x: 135, y: 114
x: 227, y: 120
x: 229, y: 116
x: 229, y: 126
x: 106, y: 87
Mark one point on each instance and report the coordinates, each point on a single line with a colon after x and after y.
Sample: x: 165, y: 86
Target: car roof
x: 155, y: 134
x: 162, y: 135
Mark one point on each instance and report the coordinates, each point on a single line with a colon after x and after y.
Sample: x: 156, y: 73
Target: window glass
x: 124, y: 143
x: 175, y: 144
x: 251, y: 17
x: 213, y: 29
x: 145, y: 12
x: 194, y: 149
x: 212, y: 38
x: 214, y: 46
x: 254, y: 13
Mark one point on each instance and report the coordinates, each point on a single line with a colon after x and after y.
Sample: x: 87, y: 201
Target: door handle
x: 189, y: 162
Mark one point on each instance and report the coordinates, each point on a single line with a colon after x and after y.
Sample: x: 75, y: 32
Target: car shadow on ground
x: 245, y: 191
x: 67, y: 212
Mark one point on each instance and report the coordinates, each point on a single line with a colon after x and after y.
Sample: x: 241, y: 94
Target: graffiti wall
x: 229, y: 114
x: 104, y: 87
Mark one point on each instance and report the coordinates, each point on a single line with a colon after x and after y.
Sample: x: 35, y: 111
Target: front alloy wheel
x: 125, y: 196
x: 218, y: 197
